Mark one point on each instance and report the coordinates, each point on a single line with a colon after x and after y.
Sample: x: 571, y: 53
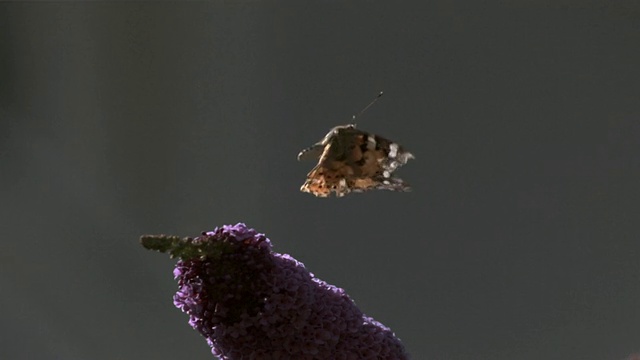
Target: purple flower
x: 252, y: 303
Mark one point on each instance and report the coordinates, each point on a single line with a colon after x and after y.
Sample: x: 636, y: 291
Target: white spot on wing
x: 393, y: 150
x: 371, y: 142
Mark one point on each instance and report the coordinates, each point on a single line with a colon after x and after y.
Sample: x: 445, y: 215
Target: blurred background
x: 519, y: 241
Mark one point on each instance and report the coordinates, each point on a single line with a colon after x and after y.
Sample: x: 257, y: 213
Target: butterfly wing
x: 354, y: 160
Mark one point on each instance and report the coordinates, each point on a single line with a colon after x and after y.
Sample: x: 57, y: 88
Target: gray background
x: 520, y: 240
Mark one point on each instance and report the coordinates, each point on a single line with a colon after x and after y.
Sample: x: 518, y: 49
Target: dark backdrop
x: 520, y: 240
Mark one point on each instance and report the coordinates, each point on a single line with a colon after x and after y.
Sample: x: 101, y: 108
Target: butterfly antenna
x: 367, y: 107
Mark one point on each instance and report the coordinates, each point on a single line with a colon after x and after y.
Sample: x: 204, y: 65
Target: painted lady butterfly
x: 353, y: 160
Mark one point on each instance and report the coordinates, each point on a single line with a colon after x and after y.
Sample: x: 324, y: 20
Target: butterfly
x: 352, y: 160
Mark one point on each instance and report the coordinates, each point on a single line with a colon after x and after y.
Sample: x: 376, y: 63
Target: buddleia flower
x: 250, y: 302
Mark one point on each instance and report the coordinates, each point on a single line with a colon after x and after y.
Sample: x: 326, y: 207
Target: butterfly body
x: 352, y: 160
